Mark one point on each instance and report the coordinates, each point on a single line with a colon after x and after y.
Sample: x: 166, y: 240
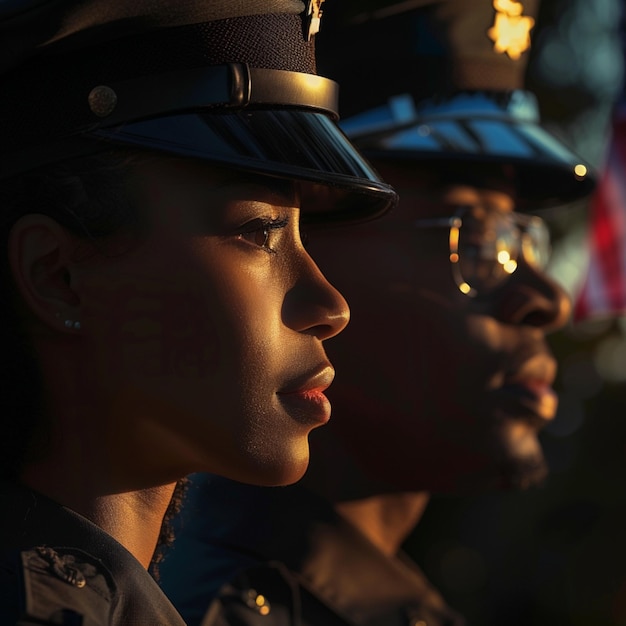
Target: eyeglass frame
x: 454, y: 223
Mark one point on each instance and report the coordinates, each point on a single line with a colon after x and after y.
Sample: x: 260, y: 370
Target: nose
x: 532, y: 298
x: 313, y: 305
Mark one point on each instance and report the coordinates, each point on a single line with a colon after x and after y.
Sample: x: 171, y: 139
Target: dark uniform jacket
x: 56, y: 567
x: 282, y: 557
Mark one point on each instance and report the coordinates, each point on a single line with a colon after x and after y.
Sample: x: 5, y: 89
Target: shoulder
x: 44, y: 585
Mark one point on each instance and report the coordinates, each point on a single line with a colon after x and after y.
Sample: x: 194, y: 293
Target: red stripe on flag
x: 604, y: 290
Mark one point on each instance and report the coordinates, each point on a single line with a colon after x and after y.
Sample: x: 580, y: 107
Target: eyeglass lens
x: 491, y: 242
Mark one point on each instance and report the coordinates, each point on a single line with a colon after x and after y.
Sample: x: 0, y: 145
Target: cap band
x: 46, y: 97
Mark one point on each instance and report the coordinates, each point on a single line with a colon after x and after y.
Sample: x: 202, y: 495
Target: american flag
x: 604, y: 289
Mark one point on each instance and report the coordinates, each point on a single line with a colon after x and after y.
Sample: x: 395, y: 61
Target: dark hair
x: 88, y: 197
x: 167, y: 534
x: 91, y: 198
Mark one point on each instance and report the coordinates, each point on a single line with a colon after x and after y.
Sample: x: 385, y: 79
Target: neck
x: 387, y: 519
x: 97, y: 461
x: 83, y: 471
x: 132, y: 518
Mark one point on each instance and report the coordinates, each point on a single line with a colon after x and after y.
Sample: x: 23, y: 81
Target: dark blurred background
x: 556, y: 554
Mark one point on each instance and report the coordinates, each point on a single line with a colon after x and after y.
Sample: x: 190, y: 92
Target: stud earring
x: 72, y: 324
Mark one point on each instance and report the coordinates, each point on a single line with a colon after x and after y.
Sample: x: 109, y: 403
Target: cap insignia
x: 102, y: 100
x: 511, y: 30
x: 312, y: 18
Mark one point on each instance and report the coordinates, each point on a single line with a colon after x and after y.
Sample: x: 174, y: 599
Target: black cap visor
x: 289, y: 143
x: 475, y: 129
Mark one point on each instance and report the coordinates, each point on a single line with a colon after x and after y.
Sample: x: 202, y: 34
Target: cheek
x: 404, y: 330
x: 149, y: 328
x: 424, y: 361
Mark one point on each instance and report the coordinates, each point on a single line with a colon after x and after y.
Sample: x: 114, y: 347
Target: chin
x: 523, y: 473
x: 507, y: 462
x: 521, y: 463
x: 275, y: 472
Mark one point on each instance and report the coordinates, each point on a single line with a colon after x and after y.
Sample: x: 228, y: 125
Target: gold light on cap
x: 580, y: 171
x: 511, y: 30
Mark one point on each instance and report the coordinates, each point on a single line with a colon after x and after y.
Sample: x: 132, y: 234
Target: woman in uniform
x: 161, y: 314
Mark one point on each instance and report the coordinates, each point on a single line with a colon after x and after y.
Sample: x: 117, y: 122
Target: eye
x: 259, y: 232
x: 259, y: 236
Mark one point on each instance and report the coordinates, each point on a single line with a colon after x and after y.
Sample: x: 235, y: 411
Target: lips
x: 303, y: 397
x: 527, y: 393
x: 532, y: 400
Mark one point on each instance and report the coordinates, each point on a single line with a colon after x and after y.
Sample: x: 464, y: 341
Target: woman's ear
x: 40, y: 252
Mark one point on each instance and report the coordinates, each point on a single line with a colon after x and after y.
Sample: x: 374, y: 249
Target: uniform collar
x: 30, y: 519
x: 329, y: 556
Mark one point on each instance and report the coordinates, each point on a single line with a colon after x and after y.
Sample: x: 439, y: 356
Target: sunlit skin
x: 200, y: 347
x: 436, y: 391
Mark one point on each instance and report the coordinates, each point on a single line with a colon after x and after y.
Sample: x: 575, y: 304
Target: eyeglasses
x: 486, y: 245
